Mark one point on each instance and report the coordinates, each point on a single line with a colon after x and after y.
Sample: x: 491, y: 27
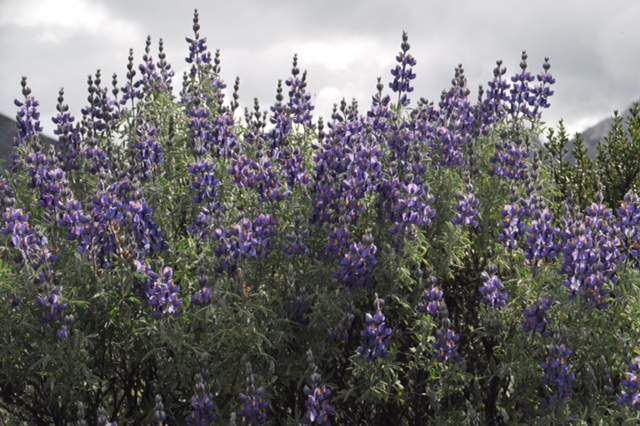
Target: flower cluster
x: 253, y: 406
x: 433, y: 303
x: 356, y: 264
x: 466, y: 209
x: 536, y: 317
x: 591, y: 252
x: 631, y: 394
x: 28, y: 124
x: 557, y: 374
x: 375, y: 337
x: 160, y: 290
x: 245, y: 239
x: 403, y: 73
x: 69, y: 148
x: 319, y: 407
x: 155, y: 77
x: 492, y: 292
x: 296, y: 239
x: 203, y: 413
x: 510, y: 160
x: 540, y: 242
x: 513, y: 222
x: 204, y: 294
x: 446, y: 344
x: 148, y: 152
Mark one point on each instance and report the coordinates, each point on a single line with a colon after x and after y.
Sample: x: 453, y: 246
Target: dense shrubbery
x: 417, y: 263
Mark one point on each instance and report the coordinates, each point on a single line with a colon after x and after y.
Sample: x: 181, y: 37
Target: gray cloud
x: 343, y: 45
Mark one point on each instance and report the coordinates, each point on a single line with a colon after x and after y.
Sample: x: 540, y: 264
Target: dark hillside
x: 7, y: 132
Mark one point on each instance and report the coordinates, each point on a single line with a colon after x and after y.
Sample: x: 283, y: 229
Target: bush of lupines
x: 171, y: 261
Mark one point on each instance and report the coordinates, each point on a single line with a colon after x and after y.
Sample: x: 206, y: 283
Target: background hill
x: 596, y: 133
x: 8, y: 131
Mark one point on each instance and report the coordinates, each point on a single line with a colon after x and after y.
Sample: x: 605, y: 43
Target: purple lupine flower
x: 204, y: 294
x: 98, y: 117
x: 268, y: 183
x: 203, y: 413
x: 200, y: 127
x: 557, y: 374
x: 415, y: 205
x: 466, y: 209
x: 204, y: 181
x: 52, y: 306
x: 69, y: 148
x: 245, y: 172
x: 590, y: 254
x: 161, y: 291
x: 199, y: 56
x: 631, y: 392
x: 496, y: 103
x: 380, y: 113
x: 130, y: 91
x: 253, y: 405
x: 264, y: 227
x: 403, y: 73
x: 227, y: 249
x: 446, y: 344
x: 375, y: 337
x: 513, y: 225
x: 299, y: 99
x: 536, y: 318
x: 28, y: 124
x: 509, y: 160
x: 540, y: 242
x: 281, y: 122
x: 339, y: 239
x: 356, y: 265
x: 155, y: 77
x: 294, y: 170
x: 150, y: 239
x: 296, y: 239
x: 522, y: 99
x: 148, y: 152
x: 492, y: 292
x: 628, y: 226
x: 319, y: 407
x: 456, y: 117
x: 541, y: 92
x: 34, y: 250
x: 299, y: 309
x: 433, y: 304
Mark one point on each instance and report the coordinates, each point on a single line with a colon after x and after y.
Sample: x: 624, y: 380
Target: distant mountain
x: 8, y: 131
x: 594, y: 134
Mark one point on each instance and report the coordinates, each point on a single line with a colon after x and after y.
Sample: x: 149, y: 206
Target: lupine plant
x: 171, y: 260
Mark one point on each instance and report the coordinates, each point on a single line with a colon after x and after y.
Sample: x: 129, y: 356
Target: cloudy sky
x: 345, y: 45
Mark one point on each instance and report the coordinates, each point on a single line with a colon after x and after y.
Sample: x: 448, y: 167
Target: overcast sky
x: 345, y: 45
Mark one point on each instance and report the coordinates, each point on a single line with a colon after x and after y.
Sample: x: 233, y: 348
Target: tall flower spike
x: 203, y: 405
x: 446, y: 344
x: 403, y: 73
x: 319, y: 408
x: 253, y: 406
x: 557, y: 374
x: 375, y: 337
x: 492, y: 292
x: 536, y: 318
x: 158, y: 412
x: 631, y: 393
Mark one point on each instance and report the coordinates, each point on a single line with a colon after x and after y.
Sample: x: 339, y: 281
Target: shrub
x: 171, y: 263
